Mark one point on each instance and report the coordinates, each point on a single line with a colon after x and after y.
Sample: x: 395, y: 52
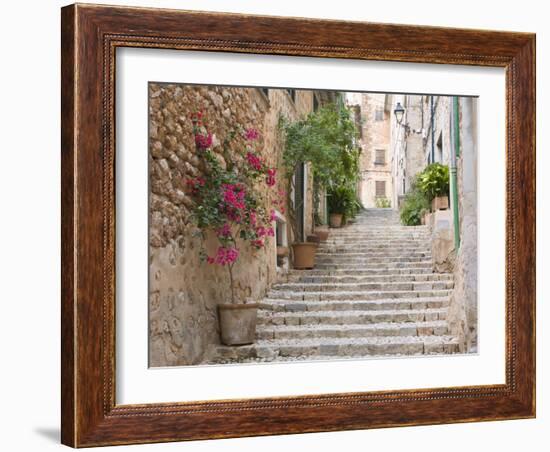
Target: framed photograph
x: 281, y: 225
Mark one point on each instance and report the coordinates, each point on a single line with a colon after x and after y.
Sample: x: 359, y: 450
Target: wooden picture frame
x: 90, y: 36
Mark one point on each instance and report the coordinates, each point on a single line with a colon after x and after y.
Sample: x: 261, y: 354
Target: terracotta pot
x: 440, y: 203
x: 238, y: 323
x: 304, y: 255
x: 335, y: 220
x: 322, y: 233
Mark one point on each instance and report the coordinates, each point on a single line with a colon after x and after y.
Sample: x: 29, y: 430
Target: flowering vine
x: 229, y: 200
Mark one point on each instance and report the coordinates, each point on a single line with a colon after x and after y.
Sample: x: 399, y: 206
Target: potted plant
x: 342, y: 204
x: 434, y: 183
x: 414, y: 207
x: 231, y: 203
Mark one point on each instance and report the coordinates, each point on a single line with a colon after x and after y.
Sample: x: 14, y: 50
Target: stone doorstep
x: 369, y: 346
x: 354, y: 305
x: 437, y: 328
x: 355, y: 295
x: 351, y: 317
x: 355, y: 286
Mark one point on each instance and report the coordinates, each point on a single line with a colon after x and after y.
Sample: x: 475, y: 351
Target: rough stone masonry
x: 183, y: 291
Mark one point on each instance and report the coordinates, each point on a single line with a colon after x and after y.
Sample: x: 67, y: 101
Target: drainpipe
x: 432, y: 126
x: 455, y: 152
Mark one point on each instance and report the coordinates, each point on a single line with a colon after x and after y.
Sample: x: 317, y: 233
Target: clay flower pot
x: 335, y: 220
x: 322, y: 233
x: 440, y: 203
x: 304, y: 255
x: 238, y: 323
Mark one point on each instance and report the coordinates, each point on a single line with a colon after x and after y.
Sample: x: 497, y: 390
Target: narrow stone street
x: 372, y: 293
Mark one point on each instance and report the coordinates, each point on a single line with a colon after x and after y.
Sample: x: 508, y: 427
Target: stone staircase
x: 372, y: 293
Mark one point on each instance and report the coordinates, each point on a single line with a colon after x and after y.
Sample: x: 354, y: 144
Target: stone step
x: 285, y: 305
x: 437, y: 328
x: 367, y: 260
x: 321, y: 265
x: 365, y: 271
x: 339, y: 347
x: 350, y: 317
x: 355, y: 248
x: 369, y: 241
x: 387, y: 234
x: 354, y: 295
x: 375, y: 255
x: 367, y: 277
x: 362, y: 287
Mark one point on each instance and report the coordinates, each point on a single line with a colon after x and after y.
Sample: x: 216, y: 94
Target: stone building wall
x: 442, y: 128
x: 415, y: 160
x: 464, y: 302
x: 183, y: 291
x: 375, y: 135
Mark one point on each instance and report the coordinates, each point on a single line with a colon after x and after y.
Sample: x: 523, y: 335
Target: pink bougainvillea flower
x: 259, y: 243
x: 224, y: 256
x: 224, y: 231
x: 203, y: 141
x: 233, y: 195
x: 252, y: 217
x: 272, y: 215
x: 193, y: 185
x: 251, y: 134
x: 270, y: 179
x: 254, y: 161
x: 270, y: 232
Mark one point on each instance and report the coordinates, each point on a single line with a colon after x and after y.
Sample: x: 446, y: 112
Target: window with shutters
x: 380, y: 157
x: 380, y: 188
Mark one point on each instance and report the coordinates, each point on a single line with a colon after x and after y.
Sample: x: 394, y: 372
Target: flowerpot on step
x: 440, y: 203
x: 322, y: 232
x: 335, y: 220
x: 304, y: 255
x: 238, y: 323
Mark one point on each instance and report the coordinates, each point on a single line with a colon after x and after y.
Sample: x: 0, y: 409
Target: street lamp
x: 399, y: 111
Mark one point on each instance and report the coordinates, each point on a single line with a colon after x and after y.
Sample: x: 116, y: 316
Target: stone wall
x: 183, y: 291
x: 464, y: 302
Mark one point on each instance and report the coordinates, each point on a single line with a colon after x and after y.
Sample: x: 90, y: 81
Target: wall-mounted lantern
x: 399, y: 112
